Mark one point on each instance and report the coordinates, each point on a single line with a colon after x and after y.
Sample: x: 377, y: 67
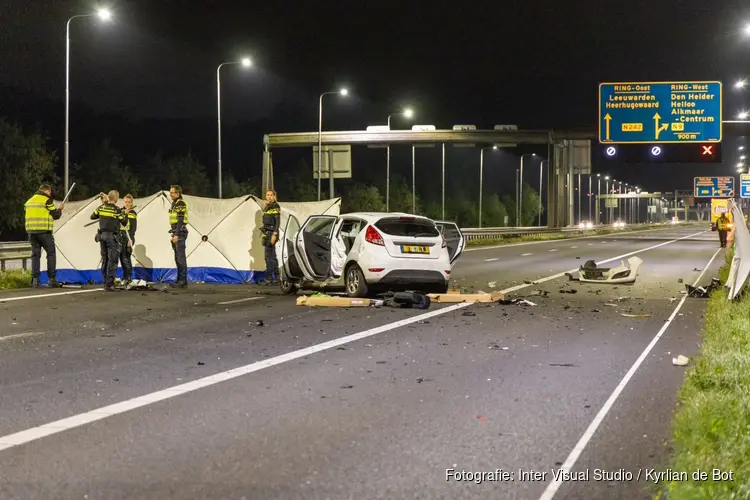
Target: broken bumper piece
x: 590, y: 273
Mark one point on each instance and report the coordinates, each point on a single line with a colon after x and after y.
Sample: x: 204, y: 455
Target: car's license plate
x: 413, y: 249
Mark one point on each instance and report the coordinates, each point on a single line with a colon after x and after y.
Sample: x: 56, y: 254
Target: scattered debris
x: 700, y: 291
x: 347, y: 386
x: 468, y: 313
x: 610, y: 305
x: 680, y: 360
x: 565, y: 365
x: 635, y: 315
x: 695, y: 269
x: 201, y: 363
x: 539, y: 293
x: 595, y: 311
x: 679, y: 280
x: 492, y: 284
x: 528, y: 282
x: 454, y: 298
x: 568, y: 290
x: 481, y: 418
x: 259, y: 323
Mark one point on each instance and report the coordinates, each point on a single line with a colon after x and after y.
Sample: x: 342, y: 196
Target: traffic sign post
x: 745, y: 186
x: 660, y: 112
x: 714, y: 187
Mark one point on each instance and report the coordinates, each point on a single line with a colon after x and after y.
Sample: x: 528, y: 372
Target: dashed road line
x: 239, y: 300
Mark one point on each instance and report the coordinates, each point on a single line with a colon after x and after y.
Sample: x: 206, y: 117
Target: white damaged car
x: 369, y: 252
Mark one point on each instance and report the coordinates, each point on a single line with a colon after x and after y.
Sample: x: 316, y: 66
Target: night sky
x: 536, y: 64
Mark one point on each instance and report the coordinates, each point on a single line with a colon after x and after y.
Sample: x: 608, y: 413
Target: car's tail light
x: 445, y: 243
x: 373, y: 236
x: 448, y: 271
x: 376, y: 269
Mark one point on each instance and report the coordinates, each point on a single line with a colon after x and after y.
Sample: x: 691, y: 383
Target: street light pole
x: 520, y: 195
x: 408, y: 113
x: 541, y: 172
x: 517, y: 195
x: 246, y: 63
x: 598, y: 198
x: 481, y: 179
x: 413, y: 181
x: 104, y: 15
x: 320, y: 143
x: 590, y: 214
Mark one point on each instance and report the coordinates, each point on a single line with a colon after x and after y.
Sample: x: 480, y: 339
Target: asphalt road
x: 321, y: 403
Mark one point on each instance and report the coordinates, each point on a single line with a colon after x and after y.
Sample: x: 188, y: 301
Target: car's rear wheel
x: 355, y: 282
x: 442, y: 288
x: 287, y: 287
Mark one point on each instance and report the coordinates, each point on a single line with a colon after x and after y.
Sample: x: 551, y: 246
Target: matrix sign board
x: 660, y: 112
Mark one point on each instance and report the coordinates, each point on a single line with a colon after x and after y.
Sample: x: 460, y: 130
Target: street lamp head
x: 246, y: 62
x: 606, y: 177
x: 742, y: 157
x: 742, y: 115
x: 408, y: 113
x: 598, y: 175
x: 741, y: 148
x: 104, y: 14
x: 747, y: 29
x: 343, y: 91
x: 494, y: 148
x: 740, y: 84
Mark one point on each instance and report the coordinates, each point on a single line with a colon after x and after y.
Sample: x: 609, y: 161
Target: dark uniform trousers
x: 110, y: 248
x: 723, y: 237
x: 180, y: 259
x: 272, y: 265
x: 126, y: 261
x: 39, y: 241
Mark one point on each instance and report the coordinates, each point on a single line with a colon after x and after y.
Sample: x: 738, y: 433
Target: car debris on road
x: 589, y: 272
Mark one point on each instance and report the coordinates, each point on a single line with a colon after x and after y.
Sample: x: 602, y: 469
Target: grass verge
x: 554, y: 236
x: 14, y: 278
x: 711, y: 427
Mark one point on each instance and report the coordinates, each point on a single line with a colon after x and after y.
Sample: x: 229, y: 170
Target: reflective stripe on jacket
x: 40, y: 214
x: 178, y: 216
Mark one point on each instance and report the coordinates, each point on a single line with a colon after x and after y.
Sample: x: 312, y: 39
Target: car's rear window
x: 398, y: 226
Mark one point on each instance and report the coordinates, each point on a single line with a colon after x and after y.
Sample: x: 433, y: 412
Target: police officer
x: 270, y: 235
x: 111, y: 219
x: 127, y: 240
x: 722, y: 225
x: 40, y: 214
x: 178, y: 221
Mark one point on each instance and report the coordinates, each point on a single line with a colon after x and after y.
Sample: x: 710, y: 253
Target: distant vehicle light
x: 589, y: 225
x: 581, y: 226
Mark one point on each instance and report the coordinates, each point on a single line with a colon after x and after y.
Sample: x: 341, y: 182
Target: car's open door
x: 454, y: 238
x: 313, y: 246
x: 289, y: 258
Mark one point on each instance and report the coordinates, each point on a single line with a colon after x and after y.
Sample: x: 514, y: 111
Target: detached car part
x: 590, y: 273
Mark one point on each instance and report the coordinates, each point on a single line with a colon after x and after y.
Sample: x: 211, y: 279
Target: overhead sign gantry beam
x: 361, y: 137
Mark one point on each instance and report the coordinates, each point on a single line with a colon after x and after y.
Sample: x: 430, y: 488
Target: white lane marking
x: 20, y: 335
x: 574, y: 246
x: 493, y: 247
x: 492, y: 260
x: 526, y: 254
x: 567, y: 466
x: 58, y: 426
x: 239, y: 300
x: 590, y: 244
x: 42, y: 295
x: 553, y: 250
x: 560, y: 275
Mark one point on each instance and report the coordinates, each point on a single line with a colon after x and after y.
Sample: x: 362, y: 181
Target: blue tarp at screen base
x: 214, y: 275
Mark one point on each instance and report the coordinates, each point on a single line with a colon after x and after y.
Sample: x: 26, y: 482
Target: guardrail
x: 14, y: 251
x: 21, y: 250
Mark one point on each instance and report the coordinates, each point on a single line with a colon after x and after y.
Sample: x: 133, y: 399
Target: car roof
x: 375, y: 216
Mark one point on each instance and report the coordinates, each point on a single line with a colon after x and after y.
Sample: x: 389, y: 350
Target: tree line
x: 26, y: 161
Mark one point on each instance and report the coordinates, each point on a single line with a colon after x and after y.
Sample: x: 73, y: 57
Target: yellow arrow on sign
x: 607, y: 119
x: 659, y: 129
